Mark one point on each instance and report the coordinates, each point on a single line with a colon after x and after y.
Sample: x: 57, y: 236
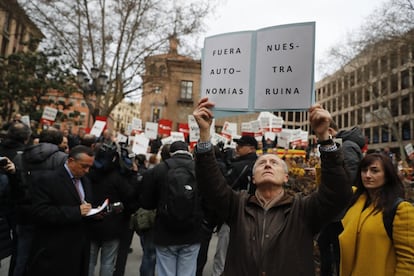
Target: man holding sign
x: 272, y: 231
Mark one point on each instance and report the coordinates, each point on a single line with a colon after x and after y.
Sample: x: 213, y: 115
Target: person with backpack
x: 271, y: 231
x: 16, y: 140
x: 171, y: 188
x: 352, y: 143
x: 35, y: 159
x: 378, y: 235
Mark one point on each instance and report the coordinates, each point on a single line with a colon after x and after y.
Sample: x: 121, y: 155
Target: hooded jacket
x: 278, y: 241
x: 352, y: 142
x: 34, y: 159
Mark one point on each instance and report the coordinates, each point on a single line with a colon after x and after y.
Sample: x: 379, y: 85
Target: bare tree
x: 115, y: 36
x: 374, y: 50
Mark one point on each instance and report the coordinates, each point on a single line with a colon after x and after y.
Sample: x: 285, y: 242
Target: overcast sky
x: 334, y: 18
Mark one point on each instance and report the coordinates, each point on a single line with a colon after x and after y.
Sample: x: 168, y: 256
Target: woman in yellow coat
x: 366, y: 249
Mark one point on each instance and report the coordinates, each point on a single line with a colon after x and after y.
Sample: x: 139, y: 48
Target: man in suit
x: 60, y: 208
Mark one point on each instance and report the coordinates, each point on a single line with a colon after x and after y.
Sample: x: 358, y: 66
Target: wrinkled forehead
x: 269, y: 156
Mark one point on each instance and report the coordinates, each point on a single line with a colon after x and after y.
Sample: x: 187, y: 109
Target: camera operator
x: 110, y: 181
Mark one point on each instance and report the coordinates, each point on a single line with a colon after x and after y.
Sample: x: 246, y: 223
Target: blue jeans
x: 24, y: 245
x: 221, y: 250
x: 109, y: 251
x: 177, y: 260
x: 147, y: 267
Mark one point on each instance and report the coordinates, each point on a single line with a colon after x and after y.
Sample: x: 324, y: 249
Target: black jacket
x: 277, y: 241
x: 240, y: 172
x: 36, y: 159
x: 352, y: 142
x: 153, y: 182
x: 116, y: 187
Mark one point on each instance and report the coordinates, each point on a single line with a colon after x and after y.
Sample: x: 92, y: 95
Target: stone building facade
x: 171, y: 86
x: 375, y: 91
x: 16, y: 29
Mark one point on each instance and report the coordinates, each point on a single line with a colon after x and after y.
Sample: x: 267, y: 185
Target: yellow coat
x: 366, y: 249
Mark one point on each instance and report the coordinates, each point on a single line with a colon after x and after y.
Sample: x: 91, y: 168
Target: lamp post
x: 95, y: 87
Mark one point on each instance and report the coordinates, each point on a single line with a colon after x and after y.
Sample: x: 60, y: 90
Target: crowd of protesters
x: 120, y: 179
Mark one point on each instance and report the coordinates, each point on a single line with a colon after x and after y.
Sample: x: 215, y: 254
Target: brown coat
x: 278, y: 241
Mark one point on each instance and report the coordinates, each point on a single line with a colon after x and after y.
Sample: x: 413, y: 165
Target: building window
x: 394, y: 83
x: 406, y: 131
x: 375, y: 138
x: 384, y: 134
x: 394, y: 107
x: 405, y: 106
x: 186, y: 90
x: 405, y: 79
x: 156, y: 114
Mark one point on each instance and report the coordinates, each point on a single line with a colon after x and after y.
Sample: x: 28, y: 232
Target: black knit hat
x: 178, y: 145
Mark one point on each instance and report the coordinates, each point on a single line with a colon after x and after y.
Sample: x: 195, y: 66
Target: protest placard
x: 267, y: 69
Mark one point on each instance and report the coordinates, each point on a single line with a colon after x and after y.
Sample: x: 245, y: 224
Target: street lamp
x: 97, y: 87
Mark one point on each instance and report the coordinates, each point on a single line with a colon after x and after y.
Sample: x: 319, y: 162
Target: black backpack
x: 180, y: 205
x: 388, y: 220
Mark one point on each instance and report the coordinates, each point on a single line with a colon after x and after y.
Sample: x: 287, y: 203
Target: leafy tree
x: 115, y: 36
x: 387, y: 34
x: 26, y: 78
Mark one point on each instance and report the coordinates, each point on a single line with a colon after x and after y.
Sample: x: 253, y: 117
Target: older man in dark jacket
x: 273, y: 230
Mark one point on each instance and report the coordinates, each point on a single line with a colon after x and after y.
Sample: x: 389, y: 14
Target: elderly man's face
x: 269, y: 168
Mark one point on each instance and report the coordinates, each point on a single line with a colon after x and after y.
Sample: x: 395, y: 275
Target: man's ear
x: 254, y: 182
x: 286, y: 177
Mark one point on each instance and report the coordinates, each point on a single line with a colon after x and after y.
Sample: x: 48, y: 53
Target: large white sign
x: 49, y: 113
x: 151, y: 130
x: 136, y: 124
x: 140, y: 145
x: 226, y: 69
x: 97, y: 128
x: 267, y: 69
x: 285, y: 67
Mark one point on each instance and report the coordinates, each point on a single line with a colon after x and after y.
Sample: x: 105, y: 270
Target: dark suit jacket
x: 60, y: 245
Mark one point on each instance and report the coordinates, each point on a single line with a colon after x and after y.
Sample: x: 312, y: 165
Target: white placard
x: 194, y: 134
x: 49, y: 113
x: 216, y: 138
x: 129, y: 129
x: 270, y: 135
x: 26, y: 120
x: 266, y: 69
x: 255, y: 126
x: 226, y: 70
x: 304, y: 136
x: 97, y: 128
x: 151, y: 130
x: 229, y: 129
x: 285, y: 67
x: 177, y: 136
x: 136, y: 124
x: 276, y: 124
x: 140, y: 145
x: 167, y: 140
x: 121, y: 138
x: 246, y: 127
x: 409, y: 149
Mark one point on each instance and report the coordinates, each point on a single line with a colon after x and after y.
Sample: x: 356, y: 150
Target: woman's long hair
x: 389, y: 192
